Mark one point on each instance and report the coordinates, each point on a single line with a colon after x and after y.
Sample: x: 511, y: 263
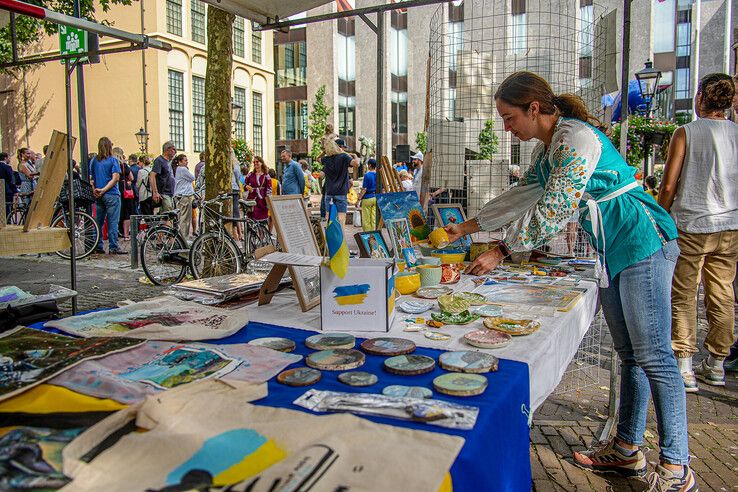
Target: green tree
x: 29, y: 30
x: 318, y: 119
x: 421, y: 142
x: 488, y: 141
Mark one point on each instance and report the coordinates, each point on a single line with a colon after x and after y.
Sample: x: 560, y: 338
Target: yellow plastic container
x: 407, y: 282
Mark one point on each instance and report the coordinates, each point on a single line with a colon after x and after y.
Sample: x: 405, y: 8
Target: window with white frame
x: 176, y: 108
x: 198, y: 20
x: 255, y: 43
x: 682, y: 83
x: 239, y: 97
x: 174, y: 17
x: 198, y: 113
x: 258, y: 127
x: 239, y: 41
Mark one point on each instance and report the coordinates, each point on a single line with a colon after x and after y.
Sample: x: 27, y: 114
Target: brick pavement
x: 564, y: 423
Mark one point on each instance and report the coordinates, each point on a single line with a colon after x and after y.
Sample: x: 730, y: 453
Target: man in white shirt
x: 417, y: 160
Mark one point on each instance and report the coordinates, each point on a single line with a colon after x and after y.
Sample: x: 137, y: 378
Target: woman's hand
x: 249, y: 188
x: 454, y: 232
x: 485, y: 262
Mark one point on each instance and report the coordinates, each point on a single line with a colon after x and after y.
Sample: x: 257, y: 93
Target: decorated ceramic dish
x: 300, y: 376
x: 489, y: 339
x: 514, y: 327
x: 463, y: 318
x: 437, y: 336
x: 387, y: 346
x: 335, y: 359
x: 275, y: 343
x: 472, y: 298
x: 468, y: 361
x: 487, y: 310
x: 358, y: 378
x: 400, y: 391
x: 460, y: 384
x: 325, y: 341
x: 432, y: 292
x: 450, y: 274
x: 409, y: 365
x: 451, y: 303
x: 414, y: 307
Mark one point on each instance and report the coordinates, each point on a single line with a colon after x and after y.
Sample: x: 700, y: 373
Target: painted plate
x: 487, y: 310
x: 387, y: 346
x: 409, y: 365
x: 432, y: 292
x: 472, y: 298
x: 460, y: 384
x: 325, y: 341
x: 274, y: 343
x: 401, y: 391
x: 358, y: 378
x: 468, y: 361
x: 455, y: 319
x: 414, y: 307
x: 300, y: 376
x: 489, y: 339
x: 514, y: 327
x: 452, y: 303
x: 336, y: 359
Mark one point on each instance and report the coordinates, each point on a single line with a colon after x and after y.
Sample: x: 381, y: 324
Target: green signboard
x: 72, y: 40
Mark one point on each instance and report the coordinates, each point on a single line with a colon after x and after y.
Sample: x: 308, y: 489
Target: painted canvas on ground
x: 225, y: 286
x: 11, y: 293
x: 531, y: 296
x: 29, y: 357
x: 31, y: 457
x: 404, y: 205
x: 451, y: 213
x: 128, y: 377
x: 162, y: 318
x: 372, y: 245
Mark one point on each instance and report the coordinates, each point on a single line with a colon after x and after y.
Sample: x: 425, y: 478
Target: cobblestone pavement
x: 568, y: 421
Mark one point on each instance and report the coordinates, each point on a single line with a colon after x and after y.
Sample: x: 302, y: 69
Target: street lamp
x: 142, y: 137
x: 648, y: 83
x: 235, y: 113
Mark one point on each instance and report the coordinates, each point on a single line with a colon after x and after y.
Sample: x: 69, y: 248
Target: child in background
x: 651, y: 187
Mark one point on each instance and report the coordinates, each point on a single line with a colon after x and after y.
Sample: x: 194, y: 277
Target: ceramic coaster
x: 460, y: 384
x: 335, y: 359
x: 468, y: 361
x: 489, y: 339
x: 409, y: 365
x: 387, y: 346
x: 514, y: 327
x: 274, y: 343
x: 300, y: 376
x: 400, y: 391
x: 432, y: 292
x: 437, y: 336
x: 325, y: 341
x: 414, y: 307
x: 358, y: 378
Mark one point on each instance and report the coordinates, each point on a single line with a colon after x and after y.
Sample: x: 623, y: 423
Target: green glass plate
x: 462, y: 318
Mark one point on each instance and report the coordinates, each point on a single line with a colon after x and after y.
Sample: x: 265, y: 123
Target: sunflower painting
x: 404, y: 205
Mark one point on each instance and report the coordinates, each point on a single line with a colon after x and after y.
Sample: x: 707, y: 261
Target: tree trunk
x: 218, y: 104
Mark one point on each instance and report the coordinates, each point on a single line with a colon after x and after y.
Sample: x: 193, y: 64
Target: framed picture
x: 295, y: 234
x: 451, y: 213
x: 401, y: 240
x: 372, y: 245
x: 404, y: 205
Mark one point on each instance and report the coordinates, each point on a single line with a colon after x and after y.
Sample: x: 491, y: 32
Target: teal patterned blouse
x: 583, y: 164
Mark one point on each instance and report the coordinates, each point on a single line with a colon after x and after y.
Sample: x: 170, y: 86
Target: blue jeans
x: 637, y: 307
x: 341, y: 202
x: 108, y: 206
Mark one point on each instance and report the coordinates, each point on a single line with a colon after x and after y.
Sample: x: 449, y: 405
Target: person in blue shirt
x: 573, y: 168
x: 104, y: 173
x: 368, y: 197
x: 293, y: 180
x: 6, y: 174
x: 400, y: 166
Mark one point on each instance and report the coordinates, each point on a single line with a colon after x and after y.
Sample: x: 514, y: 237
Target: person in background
x: 200, y: 165
x: 337, y: 182
x: 276, y: 190
x: 6, y: 174
x: 400, y: 166
x: 651, y: 186
x: 407, y: 181
x: 40, y: 160
x: 161, y: 178
x: 368, y: 197
x: 236, y: 179
x: 184, y: 193
x: 135, y: 168
x: 293, y: 179
x: 145, y: 203
x: 308, y: 180
x: 700, y: 189
x: 417, y: 160
x: 104, y: 174
x: 27, y: 173
x: 258, y: 185
x: 128, y: 197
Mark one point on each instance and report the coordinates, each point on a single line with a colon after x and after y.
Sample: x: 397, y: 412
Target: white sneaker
x: 714, y: 376
x: 690, y: 382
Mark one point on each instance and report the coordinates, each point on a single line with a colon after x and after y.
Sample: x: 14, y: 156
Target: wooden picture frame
x: 443, y: 211
x: 366, y: 247
x: 295, y: 235
x: 399, y: 231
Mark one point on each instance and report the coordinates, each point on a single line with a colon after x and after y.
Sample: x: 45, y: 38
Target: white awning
x: 263, y: 10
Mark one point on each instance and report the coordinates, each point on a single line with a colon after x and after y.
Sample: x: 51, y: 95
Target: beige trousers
x: 711, y: 257
x: 184, y: 206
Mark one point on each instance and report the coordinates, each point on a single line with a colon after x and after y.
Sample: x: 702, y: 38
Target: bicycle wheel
x: 86, y: 234
x: 258, y: 237
x: 214, y: 254
x: 163, y: 256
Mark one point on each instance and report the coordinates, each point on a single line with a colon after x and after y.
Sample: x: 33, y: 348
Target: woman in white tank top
x: 700, y: 189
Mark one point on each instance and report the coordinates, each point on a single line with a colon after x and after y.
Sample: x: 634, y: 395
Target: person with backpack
x: 145, y: 203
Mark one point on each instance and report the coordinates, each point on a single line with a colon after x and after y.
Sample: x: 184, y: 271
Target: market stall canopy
x: 263, y: 11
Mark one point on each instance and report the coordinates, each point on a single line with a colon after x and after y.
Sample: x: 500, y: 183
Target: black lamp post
x: 235, y: 114
x: 142, y: 137
x: 648, y: 84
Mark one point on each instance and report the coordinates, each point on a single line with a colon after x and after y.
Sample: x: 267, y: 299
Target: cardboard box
x: 364, y: 300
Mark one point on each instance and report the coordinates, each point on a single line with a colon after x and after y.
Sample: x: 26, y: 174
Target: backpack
x: 144, y: 187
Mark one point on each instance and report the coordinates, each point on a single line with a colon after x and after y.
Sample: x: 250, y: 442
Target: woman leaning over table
x: 700, y: 189
x: 575, y: 167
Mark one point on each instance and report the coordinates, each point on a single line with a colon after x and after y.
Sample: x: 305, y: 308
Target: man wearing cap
x: 337, y: 181
x: 417, y: 160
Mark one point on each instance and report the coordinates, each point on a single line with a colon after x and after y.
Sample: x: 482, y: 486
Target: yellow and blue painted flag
x: 338, y: 253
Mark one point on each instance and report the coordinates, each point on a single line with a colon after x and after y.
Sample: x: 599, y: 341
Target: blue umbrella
x: 635, y: 101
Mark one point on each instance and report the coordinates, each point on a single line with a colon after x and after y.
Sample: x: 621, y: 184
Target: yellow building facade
x: 32, y: 101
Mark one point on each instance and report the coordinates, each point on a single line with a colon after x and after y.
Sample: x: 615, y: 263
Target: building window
x: 346, y: 57
x: 291, y: 120
x: 514, y: 151
x: 239, y: 97
x: 255, y: 44
x: 258, y: 130
x: 290, y: 64
x: 455, y: 42
x: 682, y: 83
x: 663, y: 21
x: 518, y: 36
x: 346, y: 115
x: 239, y: 46
x: 176, y: 108
x: 399, y: 112
x: 398, y: 49
x: 198, y: 114
x: 174, y: 17
x: 197, y: 14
